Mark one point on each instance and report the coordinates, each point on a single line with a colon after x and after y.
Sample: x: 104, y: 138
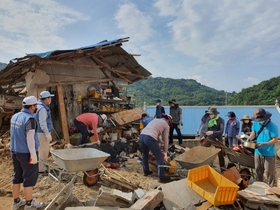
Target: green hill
x: 2, y: 65
x: 264, y: 93
x: 187, y: 92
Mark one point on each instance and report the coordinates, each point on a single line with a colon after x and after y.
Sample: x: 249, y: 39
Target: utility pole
x: 226, y: 102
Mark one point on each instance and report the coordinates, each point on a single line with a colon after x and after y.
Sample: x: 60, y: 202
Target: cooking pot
x: 249, y: 144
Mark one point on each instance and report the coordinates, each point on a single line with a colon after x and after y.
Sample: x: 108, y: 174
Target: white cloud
x: 251, y: 81
x: 219, y: 33
x: 167, y: 7
x: 202, y: 80
x: 33, y: 25
x: 133, y: 22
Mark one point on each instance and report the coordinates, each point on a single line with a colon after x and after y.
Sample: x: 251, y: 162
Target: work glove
x: 208, y: 133
x: 98, y: 142
x: 197, y: 131
x: 49, y: 137
x: 260, y: 145
x: 33, y: 159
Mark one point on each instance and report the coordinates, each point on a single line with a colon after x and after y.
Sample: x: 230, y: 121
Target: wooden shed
x: 68, y: 74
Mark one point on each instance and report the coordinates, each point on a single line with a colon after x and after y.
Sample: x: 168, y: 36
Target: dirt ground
x: 47, y: 188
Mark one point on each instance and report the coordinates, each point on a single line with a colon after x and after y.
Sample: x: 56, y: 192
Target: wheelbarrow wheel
x: 92, y: 179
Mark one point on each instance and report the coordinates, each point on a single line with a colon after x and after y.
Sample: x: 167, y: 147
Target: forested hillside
x: 187, y: 92
x: 264, y: 93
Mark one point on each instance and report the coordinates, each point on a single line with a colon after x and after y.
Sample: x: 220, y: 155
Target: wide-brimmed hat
x: 245, y: 117
x: 173, y: 101
x: 261, y: 115
x: 213, y: 110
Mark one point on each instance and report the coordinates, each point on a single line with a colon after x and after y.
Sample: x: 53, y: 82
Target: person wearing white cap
x: 24, y: 146
x: 83, y: 121
x: 44, y: 118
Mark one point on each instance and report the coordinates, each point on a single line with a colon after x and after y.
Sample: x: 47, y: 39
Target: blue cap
x: 158, y: 101
x: 45, y: 94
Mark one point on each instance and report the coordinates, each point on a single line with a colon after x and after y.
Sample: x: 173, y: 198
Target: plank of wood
x: 128, y: 116
x: 72, y: 83
x: 275, y: 190
x: 204, y: 206
x: 62, y: 115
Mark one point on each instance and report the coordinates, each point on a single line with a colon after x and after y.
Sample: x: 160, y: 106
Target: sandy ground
x: 47, y: 188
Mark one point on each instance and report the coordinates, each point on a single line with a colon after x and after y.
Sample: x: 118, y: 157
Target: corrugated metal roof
x: 193, y: 114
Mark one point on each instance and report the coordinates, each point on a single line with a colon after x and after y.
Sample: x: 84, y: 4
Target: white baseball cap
x: 45, y: 94
x: 104, y: 117
x: 30, y: 100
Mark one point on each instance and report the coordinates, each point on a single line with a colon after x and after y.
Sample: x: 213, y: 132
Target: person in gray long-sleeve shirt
x: 44, y: 119
x: 149, y: 140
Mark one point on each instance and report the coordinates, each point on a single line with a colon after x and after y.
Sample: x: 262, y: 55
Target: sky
x: 227, y: 45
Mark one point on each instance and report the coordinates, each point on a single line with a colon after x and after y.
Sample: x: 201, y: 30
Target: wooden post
x: 62, y: 113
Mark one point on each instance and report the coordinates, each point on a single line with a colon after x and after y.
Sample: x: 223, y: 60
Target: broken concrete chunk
x: 139, y: 193
x: 112, y: 197
x: 149, y: 201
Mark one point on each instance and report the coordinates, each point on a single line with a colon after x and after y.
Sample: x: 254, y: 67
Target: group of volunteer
x: 30, y: 137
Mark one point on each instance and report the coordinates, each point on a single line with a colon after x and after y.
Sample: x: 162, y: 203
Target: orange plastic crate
x: 212, y: 186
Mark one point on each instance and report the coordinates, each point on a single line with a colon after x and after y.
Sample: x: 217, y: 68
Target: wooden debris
x: 149, y: 201
x: 113, y: 177
x: 253, y: 201
x: 128, y: 116
x: 275, y: 190
x: 205, y: 206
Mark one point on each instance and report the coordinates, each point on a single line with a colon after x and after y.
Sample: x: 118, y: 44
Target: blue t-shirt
x: 270, y: 131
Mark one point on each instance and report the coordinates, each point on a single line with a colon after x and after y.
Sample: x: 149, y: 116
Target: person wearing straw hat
x: 246, y: 127
x: 266, y: 134
x: 24, y: 146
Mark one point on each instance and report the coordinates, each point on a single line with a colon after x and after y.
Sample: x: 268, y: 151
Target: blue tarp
x: 56, y: 52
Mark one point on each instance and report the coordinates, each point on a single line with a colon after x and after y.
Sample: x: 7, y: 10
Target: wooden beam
x: 103, y: 71
x: 52, y: 62
x: 121, y: 54
x: 20, y: 79
x: 130, y: 73
x: 62, y: 116
x: 16, y: 87
x: 107, y: 66
x: 72, y: 83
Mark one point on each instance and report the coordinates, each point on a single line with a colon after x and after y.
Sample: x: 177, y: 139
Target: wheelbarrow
x: 86, y: 160
x: 197, y: 156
